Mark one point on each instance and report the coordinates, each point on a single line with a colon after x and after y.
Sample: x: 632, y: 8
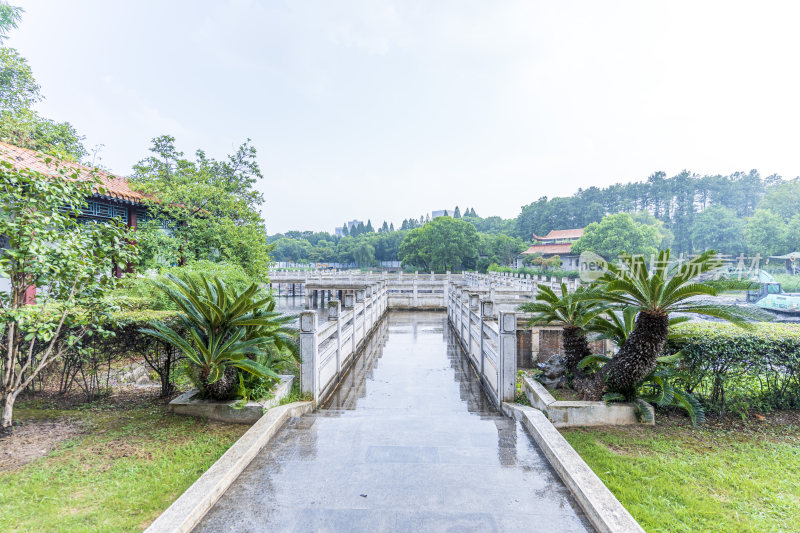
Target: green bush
x: 732, y: 369
x: 140, y: 293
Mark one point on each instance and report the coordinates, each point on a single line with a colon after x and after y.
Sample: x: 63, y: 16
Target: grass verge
x: 126, y: 466
x: 729, y: 475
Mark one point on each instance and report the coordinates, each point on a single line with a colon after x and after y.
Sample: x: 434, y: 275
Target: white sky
x: 381, y: 109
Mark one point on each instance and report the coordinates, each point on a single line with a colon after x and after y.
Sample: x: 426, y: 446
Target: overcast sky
x: 389, y: 109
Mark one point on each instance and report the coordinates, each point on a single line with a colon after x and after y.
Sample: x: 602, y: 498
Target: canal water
x: 408, y: 442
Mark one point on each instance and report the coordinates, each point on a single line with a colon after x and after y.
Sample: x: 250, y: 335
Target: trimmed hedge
x: 733, y: 369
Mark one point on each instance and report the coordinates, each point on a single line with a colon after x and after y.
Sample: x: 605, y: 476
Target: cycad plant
x: 651, y: 294
x: 574, y: 312
x: 228, y: 330
x: 658, y: 387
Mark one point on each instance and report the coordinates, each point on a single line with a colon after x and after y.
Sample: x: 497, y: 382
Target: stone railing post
x: 368, y: 304
x: 349, y: 305
x: 309, y: 355
x: 487, y: 313
x: 457, y: 310
x: 414, y: 300
x: 507, y: 345
x: 360, y: 300
x: 464, y: 317
x: 474, y: 308
x: 334, y: 313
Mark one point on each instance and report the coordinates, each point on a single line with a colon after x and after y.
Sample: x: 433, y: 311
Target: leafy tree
x: 719, y: 228
x: 384, y: 227
x: 345, y: 230
x: 765, y: 233
x: 616, y: 235
x: 369, y: 228
x: 211, y: 206
x: 492, y: 225
x: 9, y: 18
x: 28, y: 129
x: 783, y: 199
x: 498, y: 249
x: 457, y: 213
x: 391, y: 226
x: 68, y: 262
x: 18, y: 88
x: 792, y: 235
x: 387, y: 245
x: 647, y: 218
x: 363, y: 253
x: 285, y: 249
x: 19, y: 91
x: 442, y: 244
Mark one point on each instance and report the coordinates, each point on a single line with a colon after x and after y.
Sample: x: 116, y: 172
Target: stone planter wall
x: 577, y: 413
x: 190, y: 405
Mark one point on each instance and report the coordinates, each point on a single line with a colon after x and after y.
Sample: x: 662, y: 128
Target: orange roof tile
x: 576, y: 233
x: 549, y: 249
x: 116, y: 186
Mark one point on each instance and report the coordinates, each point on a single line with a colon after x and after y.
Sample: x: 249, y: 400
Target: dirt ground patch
x: 35, y: 439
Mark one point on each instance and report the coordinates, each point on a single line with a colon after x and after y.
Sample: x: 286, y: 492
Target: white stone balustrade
x: 328, y: 349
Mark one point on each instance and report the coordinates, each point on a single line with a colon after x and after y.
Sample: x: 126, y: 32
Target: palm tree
x: 651, y: 295
x: 227, y: 331
x: 573, y: 311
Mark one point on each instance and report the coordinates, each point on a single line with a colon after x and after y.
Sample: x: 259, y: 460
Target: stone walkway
x: 409, y: 443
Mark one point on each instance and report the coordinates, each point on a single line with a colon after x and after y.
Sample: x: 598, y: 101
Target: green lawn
x: 127, y: 466
x: 726, y: 476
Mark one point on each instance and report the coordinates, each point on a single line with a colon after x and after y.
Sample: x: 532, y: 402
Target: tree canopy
x: 616, y: 235
x: 443, y: 244
x: 210, y: 206
x: 20, y: 124
x: 718, y: 228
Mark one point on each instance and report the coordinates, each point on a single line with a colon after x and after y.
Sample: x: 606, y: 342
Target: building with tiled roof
x: 116, y: 200
x: 557, y: 242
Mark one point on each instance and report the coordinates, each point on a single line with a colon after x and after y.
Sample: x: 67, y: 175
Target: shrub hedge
x: 733, y: 369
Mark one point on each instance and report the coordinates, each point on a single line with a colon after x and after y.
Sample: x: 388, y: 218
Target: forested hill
x: 677, y: 201
x: 741, y: 213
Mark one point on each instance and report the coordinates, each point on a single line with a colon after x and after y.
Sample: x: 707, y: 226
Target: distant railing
x: 518, y: 282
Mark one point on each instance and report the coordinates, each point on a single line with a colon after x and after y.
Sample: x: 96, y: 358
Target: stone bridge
x: 408, y: 375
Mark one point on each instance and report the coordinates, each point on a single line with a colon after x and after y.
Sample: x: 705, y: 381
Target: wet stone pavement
x: 408, y: 443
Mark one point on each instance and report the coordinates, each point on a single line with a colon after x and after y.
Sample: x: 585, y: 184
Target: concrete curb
x: 194, y: 503
x: 602, y: 508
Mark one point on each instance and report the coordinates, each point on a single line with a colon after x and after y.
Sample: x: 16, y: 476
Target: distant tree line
x: 444, y: 243
x: 741, y: 213
x: 738, y: 213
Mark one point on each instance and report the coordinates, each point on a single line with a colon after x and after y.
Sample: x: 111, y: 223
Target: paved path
x: 410, y: 443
